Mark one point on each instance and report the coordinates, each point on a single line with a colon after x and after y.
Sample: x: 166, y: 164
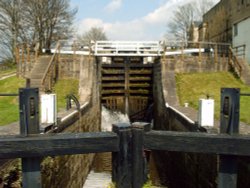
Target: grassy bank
x: 9, y: 111
x: 9, y: 105
x: 64, y: 87
x: 192, y: 87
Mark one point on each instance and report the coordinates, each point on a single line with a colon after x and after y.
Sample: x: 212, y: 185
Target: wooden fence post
x: 182, y: 51
x: 28, y: 59
x: 230, y: 102
x: 29, y: 124
x: 200, y: 52
x: 215, y: 53
x: 22, y: 61
x: 17, y: 60
x: 121, y: 160
x: 139, y: 172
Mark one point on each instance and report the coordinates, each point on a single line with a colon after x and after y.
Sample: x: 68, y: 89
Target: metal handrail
x: 235, y: 64
x: 152, y: 48
x: 51, y: 63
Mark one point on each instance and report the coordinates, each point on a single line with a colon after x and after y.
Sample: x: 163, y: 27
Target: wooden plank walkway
x: 97, y: 180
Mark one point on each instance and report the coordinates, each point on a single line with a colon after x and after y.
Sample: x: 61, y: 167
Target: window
x: 235, y: 29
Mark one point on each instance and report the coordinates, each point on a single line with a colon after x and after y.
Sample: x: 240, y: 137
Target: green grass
x: 9, y: 111
x: 192, y: 87
x: 64, y: 87
x: 9, y: 105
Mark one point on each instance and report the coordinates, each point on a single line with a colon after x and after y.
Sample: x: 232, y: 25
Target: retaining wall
x: 192, y: 64
x: 175, y: 169
x: 72, y: 171
x: 68, y: 171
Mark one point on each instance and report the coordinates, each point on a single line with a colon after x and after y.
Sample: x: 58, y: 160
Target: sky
x: 126, y: 19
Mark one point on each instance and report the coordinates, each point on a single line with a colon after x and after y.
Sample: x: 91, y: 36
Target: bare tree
x: 182, y: 19
x: 9, y: 26
x: 94, y: 34
x: 50, y: 20
x: 31, y: 21
x: 201, y: 7
x: 186, y: 14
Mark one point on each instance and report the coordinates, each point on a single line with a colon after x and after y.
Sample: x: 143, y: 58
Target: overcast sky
x: 126, y: 19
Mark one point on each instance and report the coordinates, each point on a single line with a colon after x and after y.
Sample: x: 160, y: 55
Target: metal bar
x: 9, y: 94
x: 126, y: 84
x: 244, y: 94
x: 230, y: 105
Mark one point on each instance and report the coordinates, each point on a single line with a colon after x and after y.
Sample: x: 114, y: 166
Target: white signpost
x: 206, y: 112
x: 48, y: 108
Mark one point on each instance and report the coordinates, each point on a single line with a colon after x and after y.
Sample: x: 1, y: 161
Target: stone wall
x: 67, y: 171
x: 175, y: 169
x: 71, y: 171
x: 192, y: 64
x: 69, y: 65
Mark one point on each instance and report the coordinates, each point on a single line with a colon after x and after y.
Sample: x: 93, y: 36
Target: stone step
x: 35, y: 83
x: 36, y: 76
x: 38, y: 71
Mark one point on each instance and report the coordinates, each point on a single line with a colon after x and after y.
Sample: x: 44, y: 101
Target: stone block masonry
x: 175, y: 169
x: 72, y: 171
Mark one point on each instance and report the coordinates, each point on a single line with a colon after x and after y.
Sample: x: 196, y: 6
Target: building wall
x: 202, y: 32
x: 221, y: 18
x: 194, y: 33
x: 243, y: 29
x: 219, y: 23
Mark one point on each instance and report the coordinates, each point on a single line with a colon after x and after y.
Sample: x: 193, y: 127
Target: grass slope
x: 192, y: 87
x: 64, y: 87
x: 9, y: 111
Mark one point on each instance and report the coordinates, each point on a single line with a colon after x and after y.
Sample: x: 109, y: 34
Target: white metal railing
x: 141, y: 48
x: 127, y: 48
